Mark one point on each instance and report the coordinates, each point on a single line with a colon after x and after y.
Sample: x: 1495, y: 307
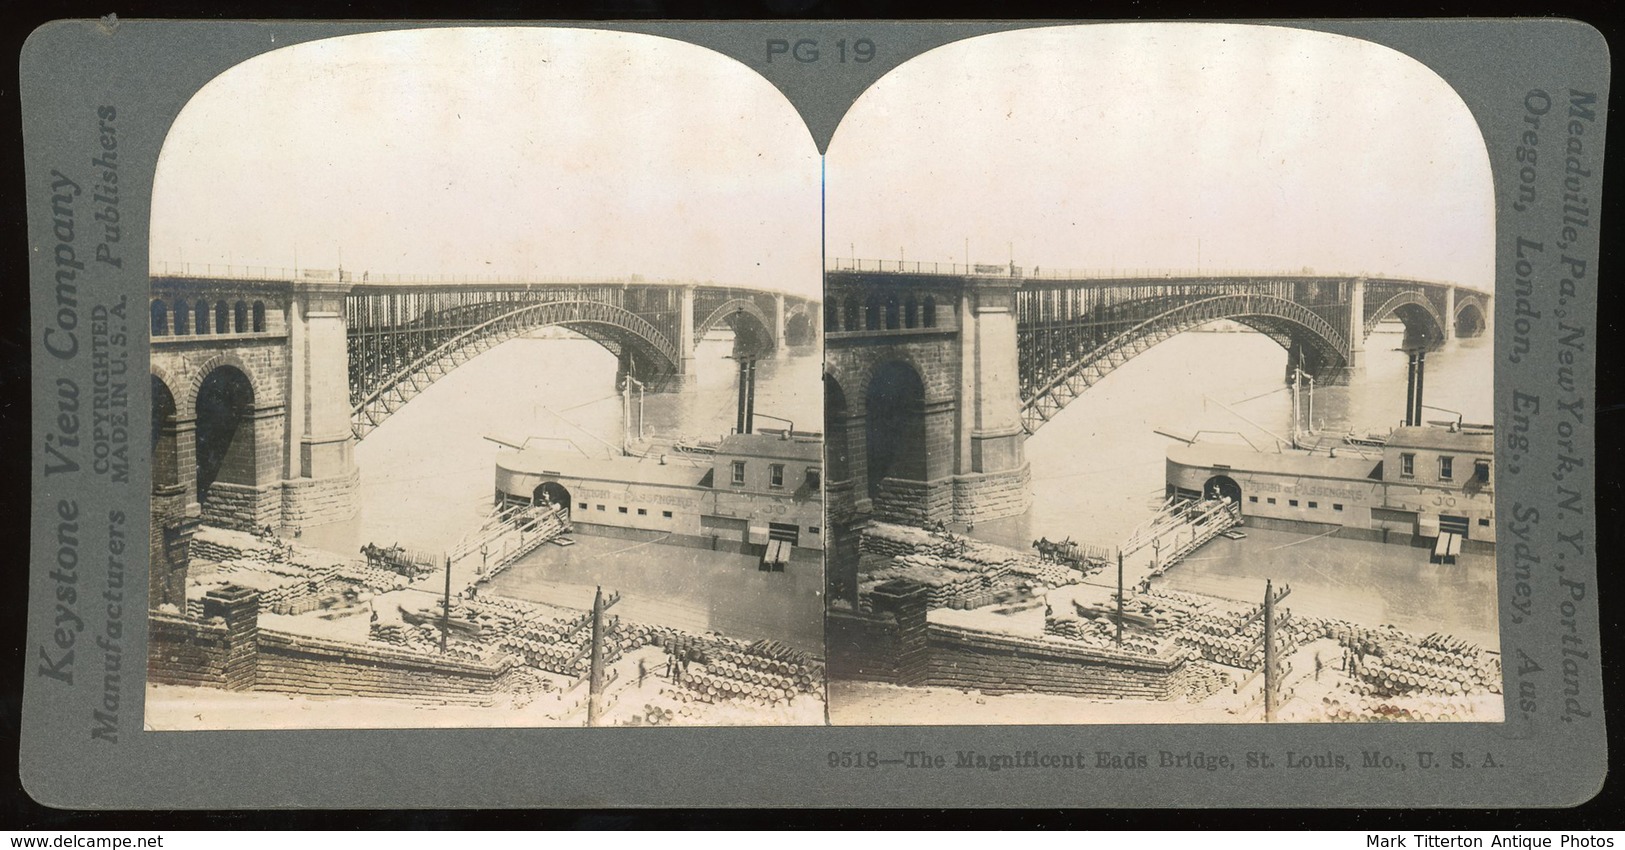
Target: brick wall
x: 861, y: 646
x: 169, y: 547
x: 182, y: 651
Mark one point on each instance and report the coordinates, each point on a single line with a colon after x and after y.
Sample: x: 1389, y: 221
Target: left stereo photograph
x: 479, y: 361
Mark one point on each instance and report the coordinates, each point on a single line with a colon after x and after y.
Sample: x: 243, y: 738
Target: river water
x: 427, y: 474
x: 1099, y: 468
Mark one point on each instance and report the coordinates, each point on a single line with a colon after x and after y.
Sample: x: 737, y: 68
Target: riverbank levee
x: 949, y: 629
x: 278, y: 634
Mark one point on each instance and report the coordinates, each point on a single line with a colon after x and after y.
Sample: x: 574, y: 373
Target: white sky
x: 495, y: 151
x: 1122, y: 146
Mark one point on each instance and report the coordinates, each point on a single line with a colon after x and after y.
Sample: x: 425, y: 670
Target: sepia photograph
x: 1158, y: 386
x: 479, y: 365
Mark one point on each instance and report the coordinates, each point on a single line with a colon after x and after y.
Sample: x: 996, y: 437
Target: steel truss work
x: 760, y: 328
x: 1059, y: 361
x: 1421, y: 308
x: 391, y: 366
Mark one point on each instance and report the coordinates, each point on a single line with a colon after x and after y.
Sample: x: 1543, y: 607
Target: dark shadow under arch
x: 895, y: 430
x: 225, y: 433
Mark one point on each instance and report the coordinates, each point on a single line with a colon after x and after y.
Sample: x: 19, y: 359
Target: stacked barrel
x: 762, y: 673
x: 1101, y: 632
x: 1363, y: 708
x: 561, y: 646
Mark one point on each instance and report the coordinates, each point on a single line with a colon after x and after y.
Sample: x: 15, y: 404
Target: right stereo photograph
x: 1158, y: 386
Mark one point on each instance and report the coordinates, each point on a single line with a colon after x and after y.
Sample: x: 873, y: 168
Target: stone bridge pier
x: 251, y: 421
x: 921, y: 401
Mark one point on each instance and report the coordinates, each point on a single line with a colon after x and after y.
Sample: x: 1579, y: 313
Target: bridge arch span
x: 746, y: 319
x: 1295, y: 327
x: 895, y: 434
x: 838, y: 459
x: 1421, y: 318
x: 798, y: 326
x: 643, y: 350
x: 266, y: 395
x: 1471, y: 317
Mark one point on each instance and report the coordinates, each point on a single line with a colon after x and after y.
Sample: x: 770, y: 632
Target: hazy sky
x: 495, y: 151
x: 1127, y: 145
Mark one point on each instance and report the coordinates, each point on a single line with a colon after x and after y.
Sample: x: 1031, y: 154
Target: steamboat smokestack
x: 1421, y: 369
x: 1410, y: 386
x: 744, y: 378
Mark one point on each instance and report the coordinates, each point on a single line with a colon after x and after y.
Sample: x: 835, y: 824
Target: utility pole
x: 1119, y: 597
x: 1310, y: 425
x: 1297, y: 410
x: 445, y: 608
x: 626, y: 415
x: 1272, y: 661
x: 595, y: 672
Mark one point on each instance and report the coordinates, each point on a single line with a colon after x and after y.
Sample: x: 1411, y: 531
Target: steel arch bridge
x: 317, y: 360
x: 402, y: 337
x: 381, y: 391
x: 999, y: 352
x: 1072, y: 332
x: 1057, y: 371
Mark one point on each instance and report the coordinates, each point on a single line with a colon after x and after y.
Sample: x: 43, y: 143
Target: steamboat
x: 1425, y: 483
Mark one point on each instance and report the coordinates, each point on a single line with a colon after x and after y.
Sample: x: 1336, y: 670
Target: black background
x: 19, y: 811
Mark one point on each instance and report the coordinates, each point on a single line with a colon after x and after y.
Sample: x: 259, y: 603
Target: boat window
x: 1447, y: 468
x: 775, y: 477
x: 1407, y: 465
x: 739, y: 472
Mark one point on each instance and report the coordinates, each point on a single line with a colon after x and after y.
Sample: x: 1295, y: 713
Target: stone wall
x: 242, y: 507
x: 315, y: 667
x: 225, y: 648
x: 1002, y: 664
x: 896, y: 644
x: 915, y: 502
x: 992, y: 495
x: 314, y: 501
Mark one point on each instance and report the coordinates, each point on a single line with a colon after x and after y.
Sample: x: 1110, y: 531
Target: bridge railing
x: 925, y: 267
x: 226, y: 271
x: 1042, y: 273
